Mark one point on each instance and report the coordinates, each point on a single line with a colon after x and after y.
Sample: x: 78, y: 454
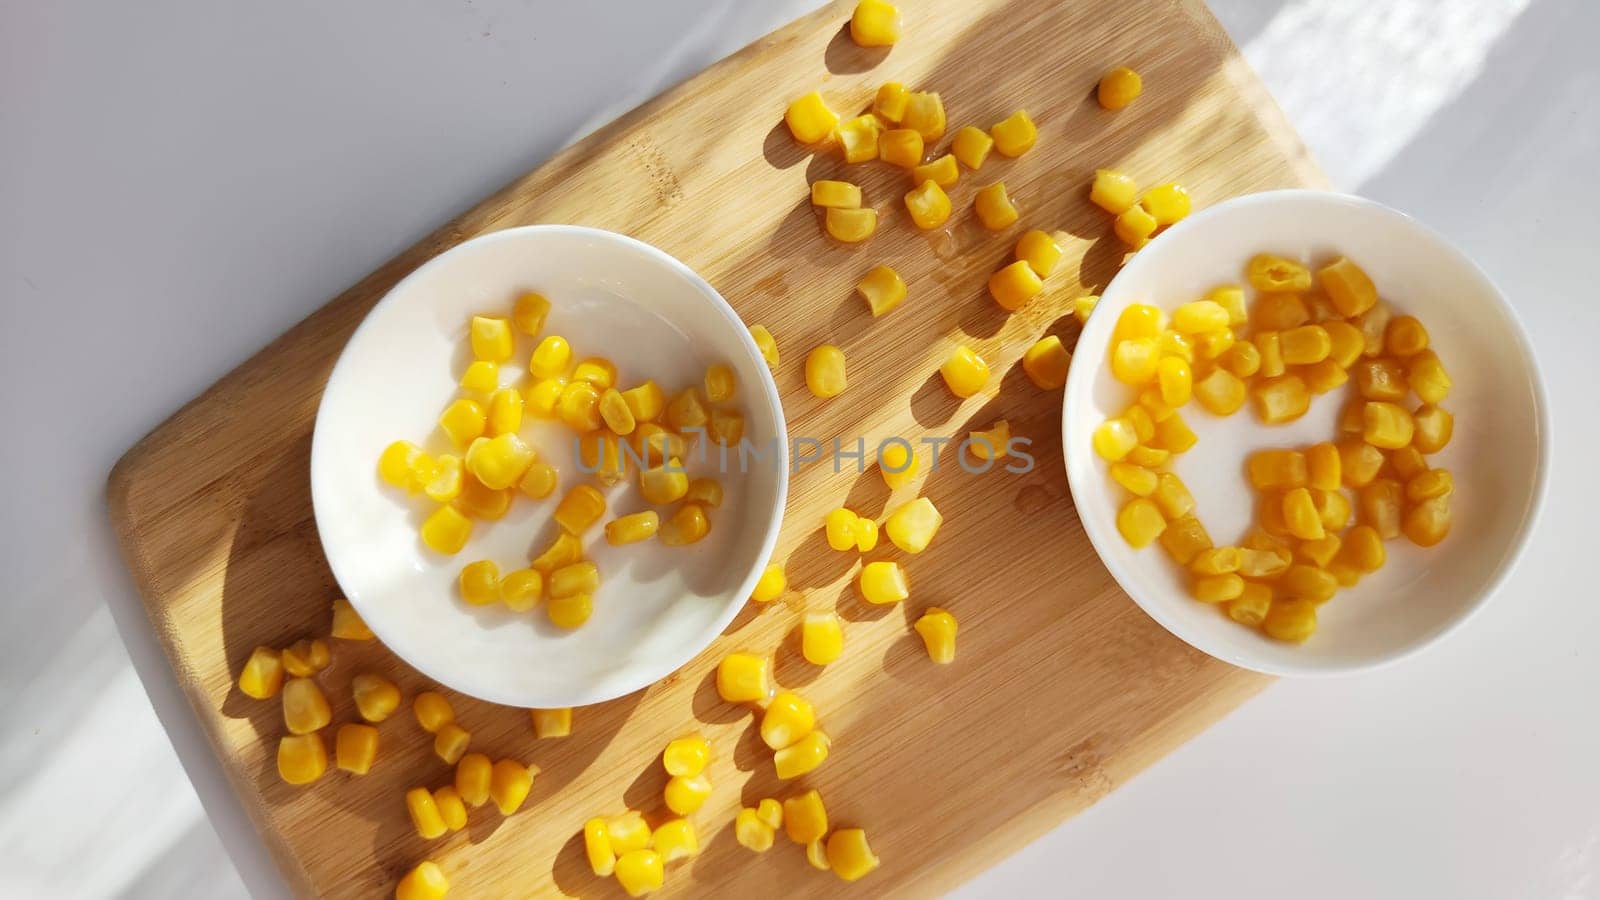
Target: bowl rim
x: 769, y: 393
x: 1101, y: 540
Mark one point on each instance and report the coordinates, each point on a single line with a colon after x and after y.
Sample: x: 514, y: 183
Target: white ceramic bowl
x: 1499, y: 454
x: 657, y: 606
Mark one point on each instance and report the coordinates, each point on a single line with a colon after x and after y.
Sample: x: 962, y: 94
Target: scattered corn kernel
x: 744, y: 678
x: 306, y: 657
x: 875, y: 23
x: 1274, y: 274
x: 994, y: 208
x: 580, y: 508
x: 479, y: 582
x: 1386, y: 425
x: 686, y: 793
x: 1426, y: 375
x: 1136, y: 361
x: 1014, y: 135
x: 481, y: 376
x: 788, y: 718
x: 686, y: 526
x: 1184, y: 539
x: 565, y: 550
x: 1250, y: 607
x: 581, y: 577
x: 491, y: 338
x: 425, y: 815
x: 825, y: 371
x: 1359, y: 462
x: 552, y: 723
x: 1173, y: 435
x: 889, y: 103
x: 302, y: 758
x: 529, y: 312
x: 675, y: 839
x: 1300, y: 515
x: 821, y: 638
x: 751, y: 832
x: 901, y: 147
x: 1114, y: 438
x: 262, y: 675
x: 463, y: 421
x: 802, y: 756
x: 964, y: 372
x: 942, y: 171
x: 1014, y: 285
x: 578, y: 407
x: 1427, y: 523
x: 509, y: 784
x: 1281, y: 399
x: 1305, y: 345
x: 1380, y: 503
x: 937, y: 628
x: 355, y: 747
x: 551, y: 357
x: 640, y: 872
x: 911, y: 527
x: 858, y: 138
x: 1134, y: 226
x: 770, y: 811
x: 450, y: 741
x: 1221, y: 392
x: 1166, y: 203
x: 1140, y: 522
x: 1279, y: 312
x: 925, y: 115
x: 1291, y: 620
x: 971, y: 146
x: 686, y: 756
x: 1433, y: 428
x: 597, y: 847
x: 809, y: 119
x: 1113, y: 191
x: 882, y: 288
x: 433, y: 711
x: 499, y: 462
x: 376, y: 697
x: 1217, y: 588
x: 1405, y: 336
x: 1215, y: 561
x: 1347, y: 286
x: 850, y: 225
x: 928, y: 204
x: 425, y: 882
x: 848, y: 854
x: 472, y: 779
x: 883, y: 582
x: 451, y: 809
x: 305, y: 709
x: 632, y: 528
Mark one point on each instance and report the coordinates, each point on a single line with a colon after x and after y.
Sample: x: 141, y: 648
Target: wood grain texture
x: 1063, y: 689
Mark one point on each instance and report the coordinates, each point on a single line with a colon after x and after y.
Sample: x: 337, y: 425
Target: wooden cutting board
x: 1063, y: 689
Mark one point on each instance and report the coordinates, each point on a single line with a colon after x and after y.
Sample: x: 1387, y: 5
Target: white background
x: 182, y: 180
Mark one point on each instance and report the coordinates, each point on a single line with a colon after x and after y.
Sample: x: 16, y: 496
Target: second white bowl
x: 1499, y: 455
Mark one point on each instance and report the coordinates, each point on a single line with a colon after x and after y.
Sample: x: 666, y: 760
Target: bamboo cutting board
x: 1062, y: 690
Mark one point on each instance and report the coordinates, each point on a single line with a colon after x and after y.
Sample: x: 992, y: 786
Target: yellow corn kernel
x: 1221, y: 392
x: 1386, y: 425
x: 928, y: 204
x: 543, y: 397
x: 1281, y: 399
x: 1139, y: 481
x: 1433, y: 428
x: 1350, y: 416
x: 1199, y: 316
x: 1140, y: 522
x: 1380, y: 503
x: 1242, y: 359
x: 809, y: 119
x: 1321, y: 308
x: 632, y: 528
x: 882, y: 288
x: 1185, y: 538
x: 1258, y: 563
x: 662, y: 485
x: 686, y: 793
x: 1408, y: 462
x: 858, y: 138
x: 1040, y: 251
x: 570, y: 612
x: 994, y: 209
x: 964, y: 372
x: 686, y: 756
x: 1269, y: 513
x: 788, y: 718
x: 770, y: 585
x: 1136, y: 361
x: 686, y: 526
x: 850, y: 225
x: 1426, y: 375
x: 262, y: 675
x: 805, y: 818
x: 744, y: 678
x: 1345, y: 342
x: 1321, y: 552
x: 1167, y: 203
x: 306, y: 657
x: 302, y: 758
x: 1157, y: 409
x: 580, y: 508
x: 1359, y: 462
x: 581, y: 577
x: 1322, y: 467
x: 1348, y: 287
x: 848, y: 854
x: 402, y: 462
x: 1173, y: 435
x: 579, y: 407
x: 839, y: 526
x: 376, y: 697
x: 424, y: 813
x: 355, y: 747
x: 499, y: 462
x: 1144, y: 424
x: 509, y: 784
x: 1139, y: 321
x: 942, y: 171
x: 1271, y: 469
x: 628, y: 832
x: 520, y: 589
x: 1300, y: 515
x: 645, y: 403
x: 305, y: 709
x: 817, y: 855
x: 472, y: 779
x: 433, y: 711
x: 654, y: 445
x: 451, y: 810
x: 1114, y: 438
x: 597, y: 847
x: 901, y: 147
x: 1149, y: 457
x: 971, y: 146
x: 480, y: 582
x: 821, y: 638
x: 505, y: 412
x: 425, y: 882
x: 463, y: 421
x: 925, y: 115
x: 539, y: 481
x: 1405, y: 336
x: 529, y: 312
x: 1430, y: 484
x: 883, y: 582
x: 1213, y: 345
x: 1292, y: 620
x: 1014, y: 135
x: 481, y: 376
x: 1251, y: 606
x: 1322, y: 377
x: 840, y: 194
x: 802, y: 756
x: 552, y: 723
x: 491, y: 338
x: 1363, y: 549
x: 875, y: 23
x: 675, y: 839
x: 937, y: 628
x: 565, y: 550
x: 825, y: 371
x: 1215, y: 561
x: 1305, y: 345
x: 551, y: 358
x: 1046, y: 363
x: 447, y: 481
x: 1113, y: 191
x: 770, y: 811
x: 1373, y: 325
x: 1133, y: 226
x: 1274, y: 274
x: 1172, y: 496
x: 1427, y: 523
x: 1118, y: 87
x: 1014, y: 285
x: 1217, y: 588
x: 616, y: 413
x: 912, y: 526
x: 1271, y: 351
x: 1279, y: 313
x: 889, y: 104
x: 751, y: 832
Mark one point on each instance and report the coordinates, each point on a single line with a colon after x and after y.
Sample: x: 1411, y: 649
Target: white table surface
x: 182, y: 180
